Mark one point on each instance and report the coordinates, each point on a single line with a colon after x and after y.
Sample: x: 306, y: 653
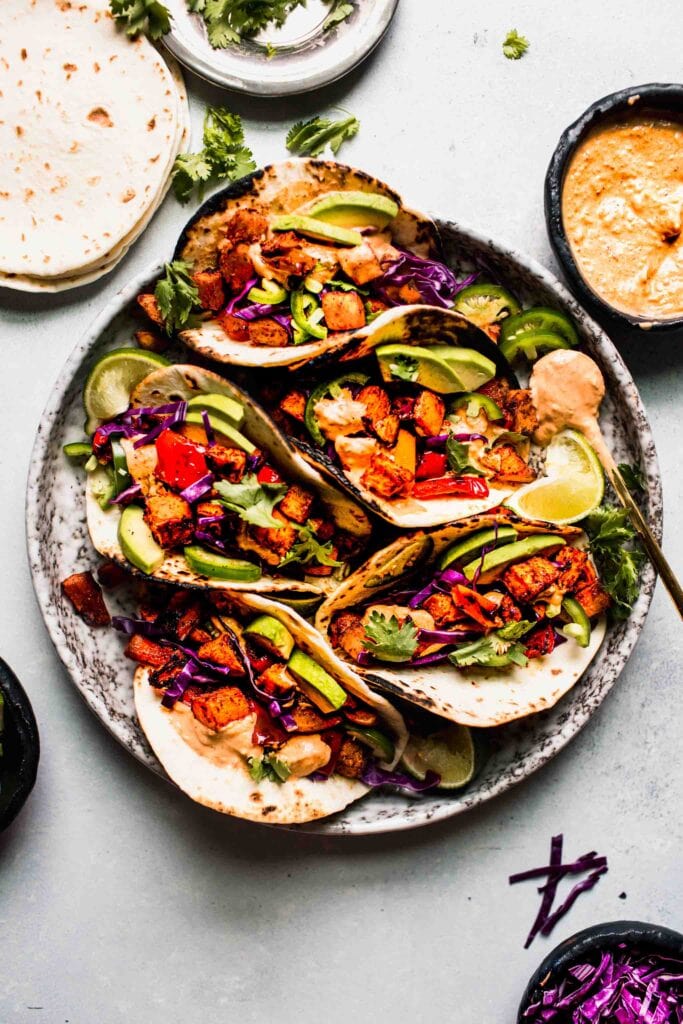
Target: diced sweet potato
x: 442, y: 609
x: 408, y: 293
x: 309, y: 719
x: 360, y: 263
x: 322, y: 528
x: 428, y: 413
x: 235, y: 266
x: 527, y: 580
x: 508, y: 610
x: 276, y: 679
x: 360, y: 715
x: 496, y: 389
x: 541, y: 641
x: 199, y: 636
x: 593, y: 599
x: 268, y: 332
x: 573, y: 564
x: 220, y: 707
x: 375, y: 306
x: 507, y: 465
x: 151, y: 341
x: 277, y: 540
x: 149, y: 305
x: 169, y: 517
x: 294, y: 404
x: 344, y: 311
x: 285, y: 256
x: 297, y: 504
x: 146, y: 651
x: 163, y: 675
x: 245, y: 226
x: 227, y: 462
x: 376, y: 402
x: 386, y: 430
x: 210, y: 286
x: 385, y: 477
x: 234, y: 327
x: 352, y: 759
x: 348, y: 632
x: 221, y: 651
x: 521, y: 410
x: 111, y: 575
x: 86, y: 597
x: 180, y: 615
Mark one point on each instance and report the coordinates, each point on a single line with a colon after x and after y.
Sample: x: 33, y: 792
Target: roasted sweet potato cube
x: 297, y: 504
x: 227, y: 462
x: 521, y: 410
x: 527, y: 580
x: 442, y: 609
x: 86, y: 597
x: 309, y: 719
x: 351, y: 759
x: 348, y: 632
x: 279, y: 540
x: 360, y: 263
x: 322, y: 528
x: 245, y: 226
x: 375, y: 306
x: 234, y: 327
x: 276, y: 679
x: 385, y: 477
x: 376, y: 402
x: 268, y: 332
x: 428, y: 413
x: 360, y: 715
x: 386, y: 430
x: 210, y: 287
x: 221, y: 651
x: 507, y: 465
x: 593, y: 599
x: 235, y: 266
x: 163, y: 675
x: 151, y: 341
x: 220, y: 707
x: 149, y: 305
x: 573, y: 564
x: 294, y: 404
x: 344, y: 311
x: 169, y: 517
x: 180, y: 615
x: 496, y: 389
x: 508, y: 610
x: 146, y: 651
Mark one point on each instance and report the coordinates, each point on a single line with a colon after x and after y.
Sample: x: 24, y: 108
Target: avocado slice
x: 473, y: 545
x: 497, y: 560
x: 136, y: 540
x: 318, y: 685
x: 317, y: 229
x: 471, y: 366
x: 224, y: 407
x: 420, y: 365
x: 219, y: 567
x: 269, y: 633
x: 354, y: 209
x: 222, y: 427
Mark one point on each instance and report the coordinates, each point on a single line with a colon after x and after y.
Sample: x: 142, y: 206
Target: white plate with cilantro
x: 59, y: 545
x: 275, y: 48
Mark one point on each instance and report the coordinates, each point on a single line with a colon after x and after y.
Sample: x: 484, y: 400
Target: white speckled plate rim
x: 378, y: 812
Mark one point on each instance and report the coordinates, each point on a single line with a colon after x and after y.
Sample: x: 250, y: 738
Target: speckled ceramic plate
x: 302, y: 55
x: 58, y: 545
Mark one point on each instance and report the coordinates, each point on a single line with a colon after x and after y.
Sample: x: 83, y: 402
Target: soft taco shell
x: 477, y: 697
x: 228, y: 787
x: 273, y: 191
x: 177, y: 383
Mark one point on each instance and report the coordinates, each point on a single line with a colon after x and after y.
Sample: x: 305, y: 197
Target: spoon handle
x: 654, y: 552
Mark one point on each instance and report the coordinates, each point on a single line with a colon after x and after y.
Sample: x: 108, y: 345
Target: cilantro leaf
x: 268, y: 767
x: 254, y: 502
x: 491, y: 651
x: 309, y: 138
x: 177, y: 295
x: 230, y: 21
x: 387, y: 640
x: 457, y: 453
x: 514, y: 630
x: 224, y: 155
x: 614, y: 545
x: 340, y: 12
x: 404, y: 368
x: 309, y: 549
x: 633, y: 477
x: 515, y: 45
x: 149, y: 17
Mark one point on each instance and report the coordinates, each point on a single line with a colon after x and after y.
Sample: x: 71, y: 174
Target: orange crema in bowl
x: 622, y: 212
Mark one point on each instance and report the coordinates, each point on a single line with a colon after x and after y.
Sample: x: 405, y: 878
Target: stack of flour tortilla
x: 90, y: 125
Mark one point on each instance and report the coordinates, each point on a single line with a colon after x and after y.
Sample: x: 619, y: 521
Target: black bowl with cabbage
x: 20, y: 746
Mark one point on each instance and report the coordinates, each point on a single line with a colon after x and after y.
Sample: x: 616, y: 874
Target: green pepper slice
x: 579, y: 628
x: 475, y: 403
x: 330, y: 389
x: 538, y: 320
x: 532, y: 345
x: 77, y: 450
x: 269, y: 294
x: 486, y: 304
x: 122, y: 478
x: 304, y: 308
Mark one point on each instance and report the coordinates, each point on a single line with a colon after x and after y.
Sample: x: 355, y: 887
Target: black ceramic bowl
x: 659, y: 98
x: 648, y: 938
x: 21, y: 747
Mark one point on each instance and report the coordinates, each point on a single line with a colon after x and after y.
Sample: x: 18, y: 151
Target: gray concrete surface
x: 122, y: 902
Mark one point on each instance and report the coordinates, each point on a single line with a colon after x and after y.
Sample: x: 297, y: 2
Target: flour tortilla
x: 97, y: 121
x: 477, y: 697
x: 181, y: 382
x: 273, y: 191
x: 229, y: 788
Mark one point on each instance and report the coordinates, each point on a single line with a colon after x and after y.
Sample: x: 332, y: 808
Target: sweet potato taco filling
x: 482, y: 622
x: 249, y: 712
x: 194, y: 484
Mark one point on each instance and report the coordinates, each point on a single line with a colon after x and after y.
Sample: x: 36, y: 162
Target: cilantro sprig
x: 457, y: 453
x: 633, y: 477
x: 404, y: 368
x: 339, y: 12
x: 177, y: 295
x: 309, y: 138
x: 614, y: 545
x: 254, y: 502
x: 309, y: 549
x: 515, y: 45
x: 224, y: 156
x: 268, y: 767
x: 387, y: 640
x: 496, y: 650
x: 149, y: 17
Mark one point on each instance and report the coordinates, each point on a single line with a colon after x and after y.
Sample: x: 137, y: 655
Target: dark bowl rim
x: 22, y: 721
x: 667, y: 96
x: 641, y: 934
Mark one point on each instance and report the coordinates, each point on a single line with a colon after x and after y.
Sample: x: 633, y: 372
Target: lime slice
x: 449, y: 752
x: 572, y: 488
x: 113, y: 377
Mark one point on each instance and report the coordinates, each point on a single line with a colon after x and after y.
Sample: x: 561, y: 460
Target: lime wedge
x: 449, y: 752
x: 112, y: 379
x: 572, y: 488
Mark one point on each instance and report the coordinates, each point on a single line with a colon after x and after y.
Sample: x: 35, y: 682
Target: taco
x: 422, y: 420
x: 292, y: 261
x: 195, y: 485
x: 483, y: 622
x: 250, y: 713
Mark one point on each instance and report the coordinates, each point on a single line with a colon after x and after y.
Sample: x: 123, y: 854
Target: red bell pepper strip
x: 540, y: 642
x: 451, y: 487
x: 467, y: 601
x: 180, y: 462
x: 268, y: 475
x: 430, y: 465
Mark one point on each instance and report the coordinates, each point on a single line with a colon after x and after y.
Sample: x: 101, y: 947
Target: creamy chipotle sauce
x: 567, y: 389
x: 622, y: 211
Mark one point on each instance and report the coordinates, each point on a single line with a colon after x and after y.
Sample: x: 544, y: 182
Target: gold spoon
x: 567, y: 388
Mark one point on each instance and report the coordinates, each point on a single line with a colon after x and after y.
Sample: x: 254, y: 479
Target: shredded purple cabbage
x: 374, y: 776
x: 240, y: 295
x: 208, y: 429
x: 209, y: 541
x: 176, y: 690
x: 199, y: 489
x: 129, y: 626
x: 130, y: 494
x: 444, y: 636
x: 175, y: 419
x: 116, y: 427
x: 436, y: 283
x: 288, y: 723
x: 430, y: 659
